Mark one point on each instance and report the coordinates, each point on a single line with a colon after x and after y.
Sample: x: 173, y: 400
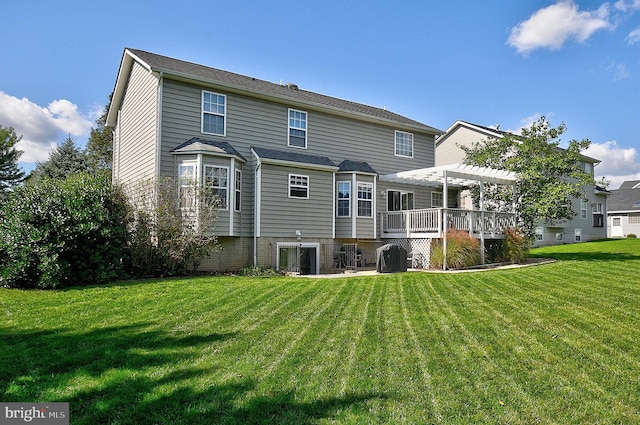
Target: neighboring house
x: 300, y: 175
x: 623, y: 214
x: 587, y: 225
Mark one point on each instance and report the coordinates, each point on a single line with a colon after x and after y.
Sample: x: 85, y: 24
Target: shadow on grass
x: 134, y: 375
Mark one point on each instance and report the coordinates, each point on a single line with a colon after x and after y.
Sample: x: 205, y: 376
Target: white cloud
x: 552, y: 26
x: 41, y: 128
x: 627, y: 6
x: 617, y: 163
x: 634, y: 36
x: 619, y: 71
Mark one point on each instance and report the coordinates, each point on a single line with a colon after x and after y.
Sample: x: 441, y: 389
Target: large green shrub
x: 63, y: 232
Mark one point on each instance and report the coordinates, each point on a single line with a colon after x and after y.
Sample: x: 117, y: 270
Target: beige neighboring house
x: 624, y: 210
x: 589, y: 224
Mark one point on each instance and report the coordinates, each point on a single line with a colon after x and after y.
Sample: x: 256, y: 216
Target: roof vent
x: 292, y: 86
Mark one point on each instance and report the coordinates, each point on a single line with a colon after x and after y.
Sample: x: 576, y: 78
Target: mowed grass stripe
x: 481, y: 384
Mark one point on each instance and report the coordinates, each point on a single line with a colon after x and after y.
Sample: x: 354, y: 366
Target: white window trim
x: 577, y: 235
x: 194, y: 181
x: 307, y: 187
x: 364, y: 184
x: 583, y: 209
x: 539, y: 234
x: 597, y: 208
x: 441, y: 199
x: 395, y: 144
x: 338, y: 199
x: 402, y: 194
x: 204, y: 168
x: 202, y: 112
x: 305, y: 129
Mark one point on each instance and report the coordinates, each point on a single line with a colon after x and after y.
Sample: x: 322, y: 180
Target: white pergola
x: 455, y: 175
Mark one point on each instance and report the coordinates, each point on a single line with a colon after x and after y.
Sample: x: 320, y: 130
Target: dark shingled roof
x: 357, y: 166
x: 626, y: 198
x: 284, y: 92
x: 293, y: 157
x: 196, y: 144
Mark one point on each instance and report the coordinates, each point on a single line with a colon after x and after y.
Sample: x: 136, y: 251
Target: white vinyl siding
x: 214, y: 116
x: 137, y: 128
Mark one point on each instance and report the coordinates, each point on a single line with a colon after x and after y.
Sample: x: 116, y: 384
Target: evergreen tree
x: 64, y: 161
x: 10, y: 174
x: 100, y: 143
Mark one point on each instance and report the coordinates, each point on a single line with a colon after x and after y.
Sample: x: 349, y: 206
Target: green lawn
x: 556, y: 343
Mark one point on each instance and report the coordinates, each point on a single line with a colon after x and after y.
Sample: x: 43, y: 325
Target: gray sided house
x: 624, y: 210
x: 589, y: 223
x: 302, y: 177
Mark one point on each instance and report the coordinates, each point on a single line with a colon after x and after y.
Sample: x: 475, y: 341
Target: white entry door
x: 616, y: 227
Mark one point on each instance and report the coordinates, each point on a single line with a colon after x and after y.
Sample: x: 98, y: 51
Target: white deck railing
x: 429, y: 222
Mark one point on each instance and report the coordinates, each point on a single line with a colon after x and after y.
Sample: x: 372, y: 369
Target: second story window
x: 214, y: 113
x: 297, y: 128
x: 404, y: 144
x: 583, y: 208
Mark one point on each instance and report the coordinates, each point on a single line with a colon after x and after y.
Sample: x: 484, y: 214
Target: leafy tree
x: 549, y: 177
x: 100, y: 143
x: 65, y: 160
x: 10, y: 174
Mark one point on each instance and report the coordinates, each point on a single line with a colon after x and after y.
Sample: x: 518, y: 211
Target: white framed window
x: 187, y: 182
x: 559, y: 237
x: 344, y: 199
x: 298, y: 186
x: 216, y: 182
x: 583, y: 208
x: 437, y: 200
x: 297, y: 129
x: 214, y: 113
x: 577, y: 235
x: 597, y: 207
x: 632, y: 219
x: 238, y: 191
x: 539, y: 231
x: 365, y: 199
x: 404, y: 144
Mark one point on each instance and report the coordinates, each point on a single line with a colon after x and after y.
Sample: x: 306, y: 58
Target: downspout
x: 159, y: 129
x: 257, y: 182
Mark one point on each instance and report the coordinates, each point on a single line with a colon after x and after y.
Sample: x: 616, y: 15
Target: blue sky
x: 489, y: 63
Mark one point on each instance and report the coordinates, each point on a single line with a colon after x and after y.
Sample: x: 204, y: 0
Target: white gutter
x: 257, y: 185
